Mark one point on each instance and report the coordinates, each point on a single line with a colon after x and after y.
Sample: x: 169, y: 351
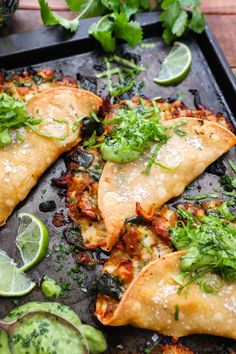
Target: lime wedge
x: 32, y: 240
x: 175, y: 66
x: 13, y: 282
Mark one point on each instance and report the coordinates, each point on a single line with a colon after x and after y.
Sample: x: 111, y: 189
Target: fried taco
x: 164, y: 169
x: 59, y: 110
x: 190, y: 289
x: 101, y: 195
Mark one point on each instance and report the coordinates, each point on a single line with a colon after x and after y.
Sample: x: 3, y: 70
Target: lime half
x: 13, y: 282
x: 175, y: 66
x: 32, y: 240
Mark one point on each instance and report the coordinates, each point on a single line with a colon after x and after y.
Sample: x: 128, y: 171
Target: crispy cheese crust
x: 29, y: 82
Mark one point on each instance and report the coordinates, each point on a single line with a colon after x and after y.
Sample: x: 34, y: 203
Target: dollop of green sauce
x: 95, y: 338
x: 50, y: 288
x: 118, y: 153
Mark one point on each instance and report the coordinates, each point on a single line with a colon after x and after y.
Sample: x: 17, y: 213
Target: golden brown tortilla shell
x: 151, y: 299
x: 21, y: 164
x: 122, y: 185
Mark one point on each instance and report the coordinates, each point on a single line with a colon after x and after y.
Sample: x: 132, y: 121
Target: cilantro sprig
x: 13, y: 115
x: 178, y: 17
x: 50, y: 17
x: 210, y: 242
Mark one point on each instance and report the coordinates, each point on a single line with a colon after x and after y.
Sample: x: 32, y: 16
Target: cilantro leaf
x: 168, y: 36
x: 91, y: 8
x: 148, y: 5
x: 5, y: 138
x: 197, y: 23
x: 180, y: 24
x: 190, y: 3
x: 50, y: 17
x: 130, y: 31
x: 129, y: 7
x: 103, y: 32
x: 166, y: 4
x: 112, y: 5
x: 115, y: 26
x: 170, y: 15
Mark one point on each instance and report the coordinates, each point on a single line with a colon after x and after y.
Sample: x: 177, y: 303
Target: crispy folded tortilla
x: 184, y: 158
x: 21, y: 164
x: 152, y: 299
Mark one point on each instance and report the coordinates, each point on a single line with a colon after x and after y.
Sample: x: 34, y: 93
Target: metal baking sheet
x: 55, y: 48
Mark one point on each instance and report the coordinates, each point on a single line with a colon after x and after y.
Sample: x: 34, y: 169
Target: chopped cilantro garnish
x: 176, y: 128
x: 201, y: 196
x: 134, y: 130
x: 13, y: 115
x: 77, y: 123
x: 91, y: 142
x: 229, y: 182
x: 210, y: 242
x: 127, y: 63
x: 148, y: 45
x: 232, y: 165
x: 176, y: 312
x: 126, y: 73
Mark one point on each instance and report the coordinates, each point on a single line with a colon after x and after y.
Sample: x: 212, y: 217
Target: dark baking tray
x: 61, y: 50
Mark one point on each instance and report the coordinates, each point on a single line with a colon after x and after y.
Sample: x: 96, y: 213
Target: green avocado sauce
x: 95, y: 338
x: 119, y: 154
x: 50, y: 288
x: 40, y: 335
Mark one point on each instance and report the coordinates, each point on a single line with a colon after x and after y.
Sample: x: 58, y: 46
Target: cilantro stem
x: 229, y: 194
x: 152, y: 159
x: 106, y: 73
x: 166, y: 167
x: 148, y: 45
x: 120, y: 90
x: 109, y: 79
x: 126, y: 62
x: 232, y: 165
x: 201, y: 196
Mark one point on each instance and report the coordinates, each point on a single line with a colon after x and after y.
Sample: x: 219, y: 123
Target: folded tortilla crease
x: 22, y: 163
x: 151, y: 301
x: 184, y: 158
